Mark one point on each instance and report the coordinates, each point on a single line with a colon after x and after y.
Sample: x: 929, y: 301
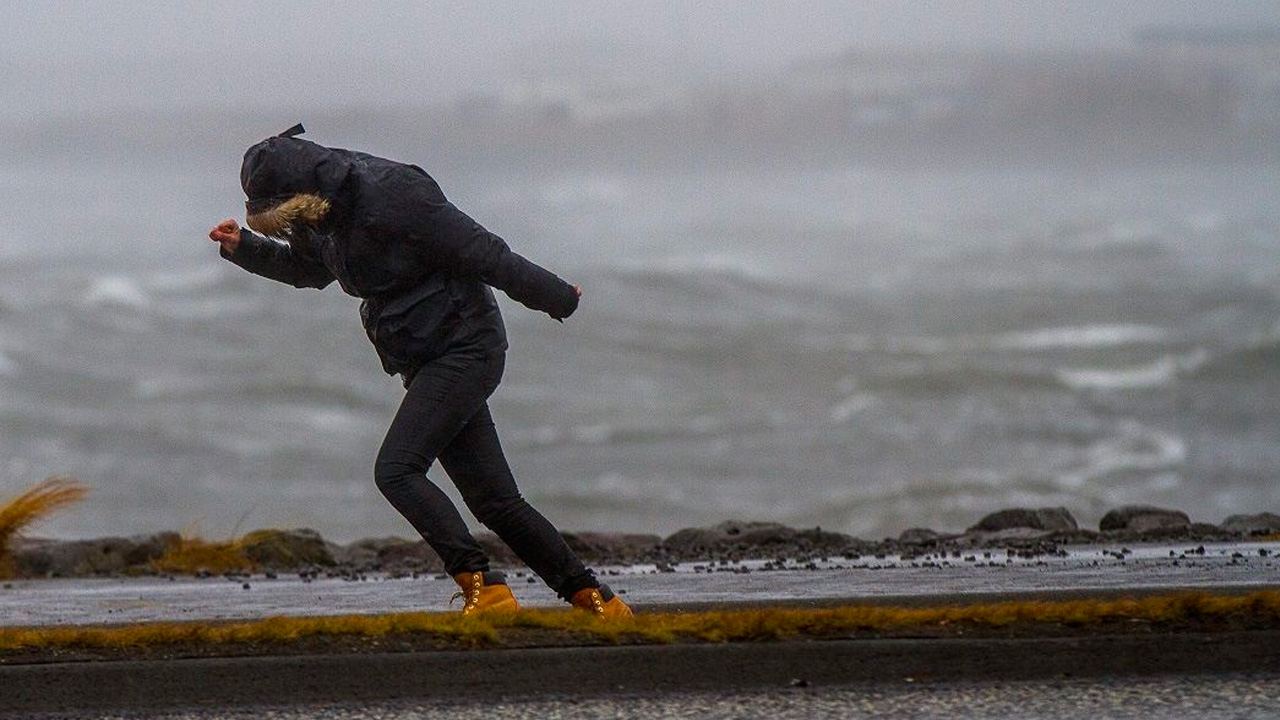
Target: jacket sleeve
x: 466, y: 248
x: 277, y: 260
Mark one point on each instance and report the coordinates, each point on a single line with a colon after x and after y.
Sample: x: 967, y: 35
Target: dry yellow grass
x: 270, y: 630
x: 23, y: 511
x: 1260, y: 608
x: 776, y: 624
x: 193, y: 554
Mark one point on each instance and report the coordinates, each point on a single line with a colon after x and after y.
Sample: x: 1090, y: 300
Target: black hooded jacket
x: 422, y: 266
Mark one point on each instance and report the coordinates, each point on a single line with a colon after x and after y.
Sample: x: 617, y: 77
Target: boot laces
x: 472, y: 598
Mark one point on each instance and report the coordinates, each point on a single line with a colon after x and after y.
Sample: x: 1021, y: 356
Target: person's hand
x: 577, y: 295
x: 227, y: 234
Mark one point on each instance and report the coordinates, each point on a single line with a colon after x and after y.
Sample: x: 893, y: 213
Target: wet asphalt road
x: 1166, y: 698
x: 725, y: 677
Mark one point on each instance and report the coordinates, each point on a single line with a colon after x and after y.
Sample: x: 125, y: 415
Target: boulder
x: 613, y: 548
x: 1051, y: 519
x: 366, y: 553
x: 918, y: 536
x: 747, y: 539
x: 1142, y: 518
x: 408, y: 556
x: 1261, y: 524
x: 1079, y: 536
x: 1198, y: 532
x: 98, y: 556
x: 286, y: 549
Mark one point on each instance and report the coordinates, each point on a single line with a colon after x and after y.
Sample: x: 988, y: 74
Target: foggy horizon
x: 95, y: 59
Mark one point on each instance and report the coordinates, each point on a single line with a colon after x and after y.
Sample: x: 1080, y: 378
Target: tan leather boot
x: 601, y: 602
x: 485, y: 592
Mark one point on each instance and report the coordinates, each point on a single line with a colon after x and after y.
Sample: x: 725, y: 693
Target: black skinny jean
x: 445, y: 415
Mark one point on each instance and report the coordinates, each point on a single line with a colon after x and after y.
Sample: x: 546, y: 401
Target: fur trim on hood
x: 300, y: 209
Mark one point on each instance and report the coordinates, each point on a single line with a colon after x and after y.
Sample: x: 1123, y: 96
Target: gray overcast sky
x: 75, y: 57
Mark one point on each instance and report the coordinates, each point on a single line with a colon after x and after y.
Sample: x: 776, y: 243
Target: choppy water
x: 859, y: 349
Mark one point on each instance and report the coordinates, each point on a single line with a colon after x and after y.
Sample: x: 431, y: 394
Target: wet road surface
x: 1244, y: 696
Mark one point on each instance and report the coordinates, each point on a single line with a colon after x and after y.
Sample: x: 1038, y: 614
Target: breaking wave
x: 1161, y: 372
x: 1037, y: 340
x: 1134, y: 448
x: 1088, y: 336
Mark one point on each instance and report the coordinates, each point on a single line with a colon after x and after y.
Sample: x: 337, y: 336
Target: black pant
x: 445, y: 415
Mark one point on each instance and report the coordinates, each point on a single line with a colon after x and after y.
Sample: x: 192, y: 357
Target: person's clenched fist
x: 227, y: 234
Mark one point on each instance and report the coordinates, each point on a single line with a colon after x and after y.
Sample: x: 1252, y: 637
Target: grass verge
x: 550, y: 627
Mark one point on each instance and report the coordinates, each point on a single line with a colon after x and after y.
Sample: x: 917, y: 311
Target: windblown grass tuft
x: 23, y: 511
x: 193, y: 554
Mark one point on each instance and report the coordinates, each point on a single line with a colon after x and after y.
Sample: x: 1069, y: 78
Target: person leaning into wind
x: 424, y: 270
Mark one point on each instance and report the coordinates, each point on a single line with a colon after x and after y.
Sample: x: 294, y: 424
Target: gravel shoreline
x: 1022, y: 531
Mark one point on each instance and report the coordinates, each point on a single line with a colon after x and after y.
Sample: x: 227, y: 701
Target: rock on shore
x: 751, y: 539
x: 286, y: 549
x: 1048, y: 519
x: 1028, y: 531
x: 99, y: 556
x: 1261, y: 524
x: 1143, y: 517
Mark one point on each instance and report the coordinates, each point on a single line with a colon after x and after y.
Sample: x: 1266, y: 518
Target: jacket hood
x: 285, y: 165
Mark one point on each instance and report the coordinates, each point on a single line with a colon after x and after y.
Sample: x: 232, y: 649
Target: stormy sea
x: 861, y: 347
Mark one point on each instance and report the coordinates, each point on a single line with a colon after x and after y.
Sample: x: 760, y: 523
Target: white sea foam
x: 537, y: 436
x: 1156, y: 374
x: 844, y: 410
x: 1087, y: 336
x: 1051, y: 338
x: 150, y: 388
x: 180, y: 281
x: 592, y: 434
x: 1131, y: 231
x: 714, y: 263
x: 335, y: 419
x: 617, y: 487
x: 116, y: 291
